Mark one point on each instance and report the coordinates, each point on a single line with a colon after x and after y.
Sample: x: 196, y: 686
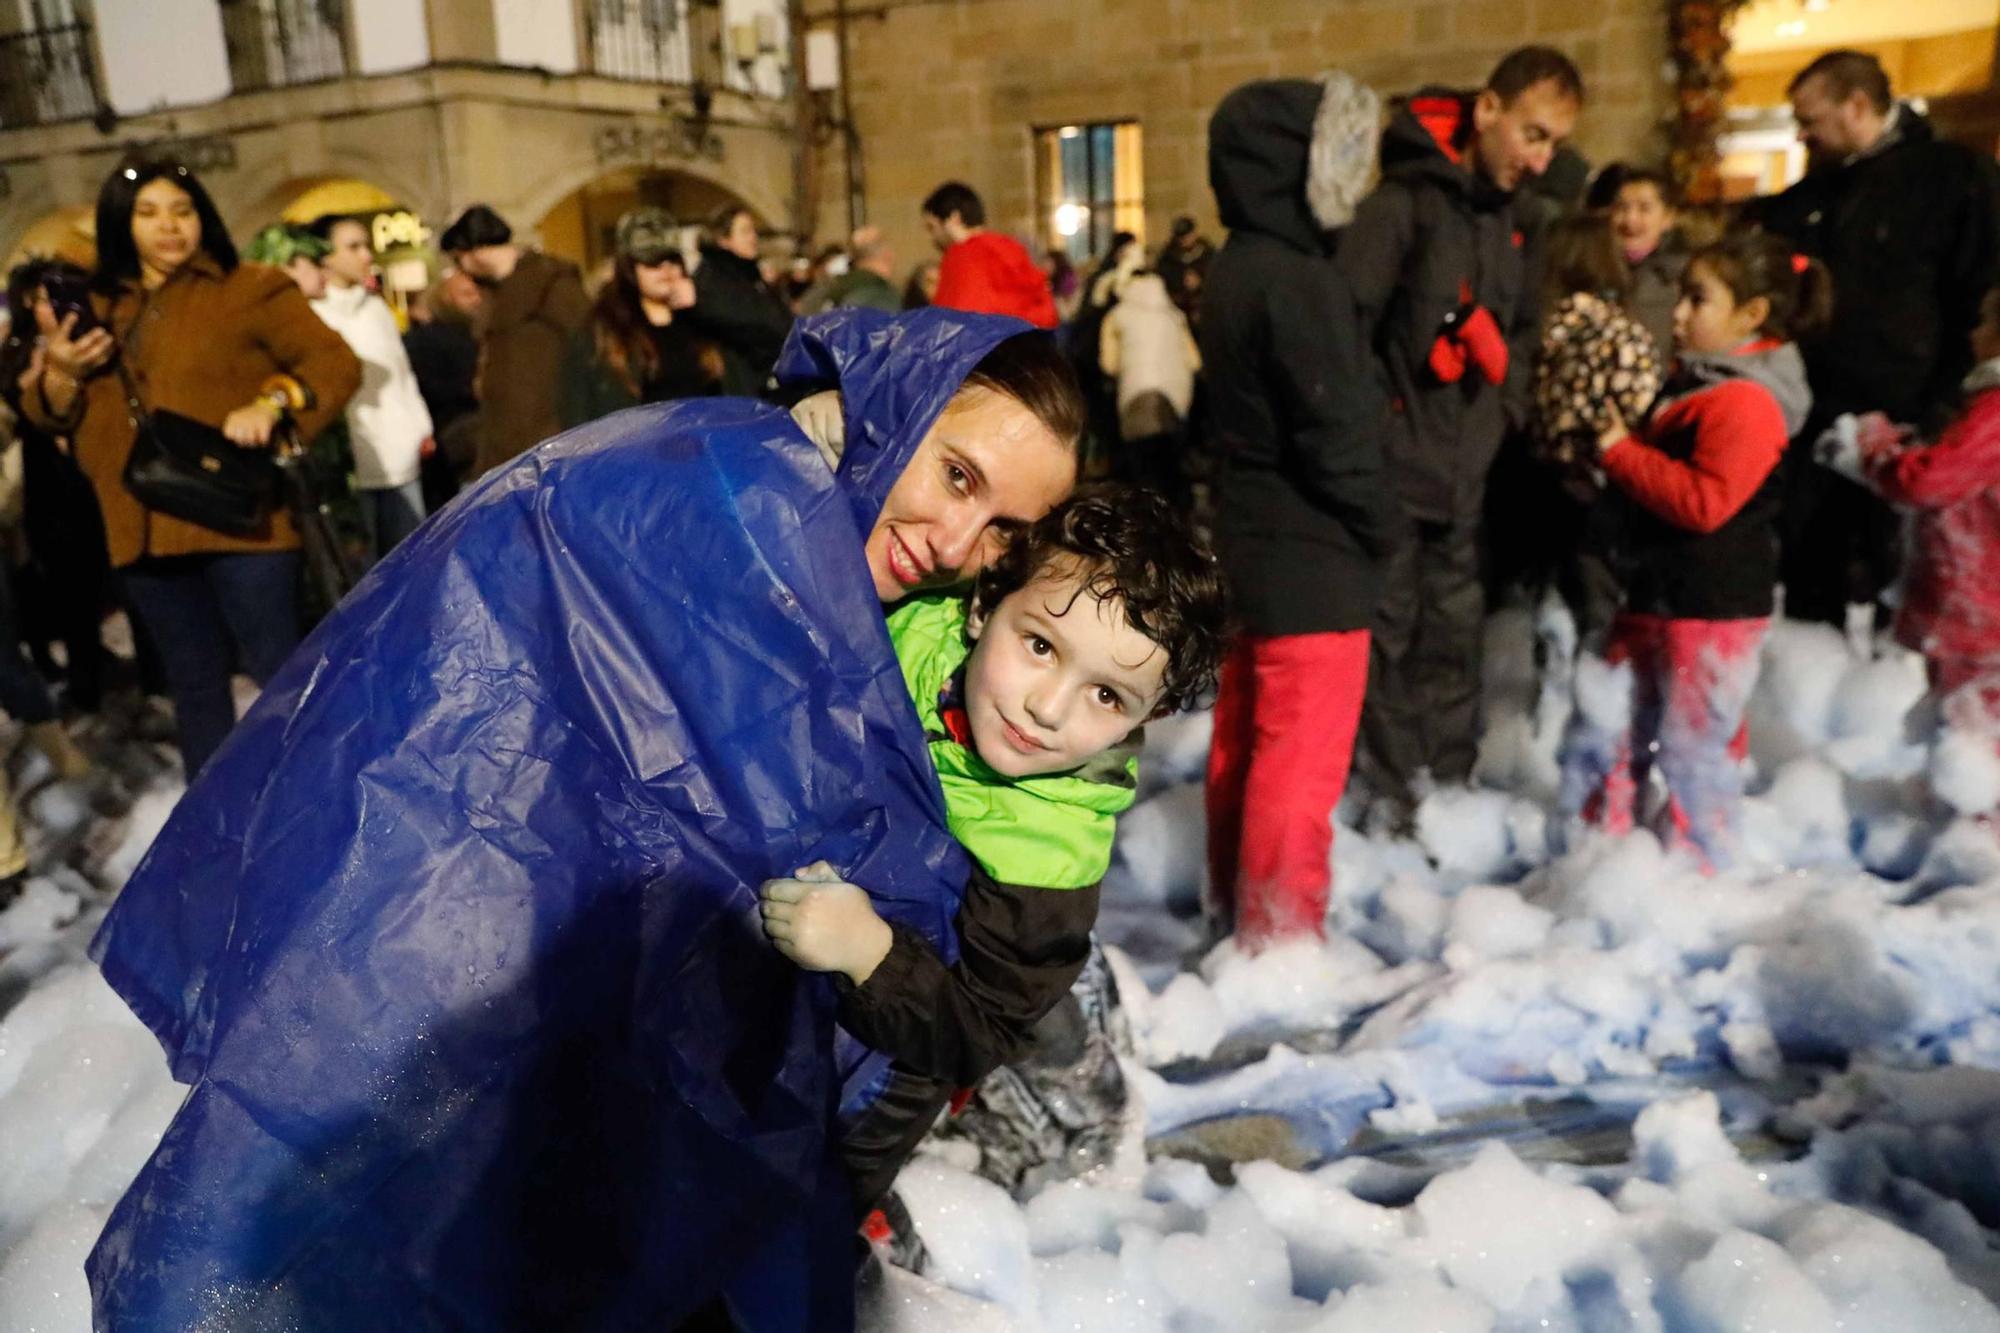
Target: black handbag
x: 189, y: 470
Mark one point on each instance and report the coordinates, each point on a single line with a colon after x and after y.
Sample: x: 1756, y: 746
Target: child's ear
x: 975, y: 620
x: 1757, y: 312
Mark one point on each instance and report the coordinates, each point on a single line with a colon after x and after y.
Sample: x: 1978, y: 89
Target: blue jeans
x: 208, y: 613
x: 389, y: 515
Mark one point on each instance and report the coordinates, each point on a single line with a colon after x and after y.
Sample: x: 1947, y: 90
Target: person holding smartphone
x: 173, y: 322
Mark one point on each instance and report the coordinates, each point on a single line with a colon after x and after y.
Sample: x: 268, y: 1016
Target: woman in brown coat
x: 233, y: 345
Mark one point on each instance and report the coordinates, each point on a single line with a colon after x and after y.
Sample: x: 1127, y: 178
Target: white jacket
x: 387, y: 421
x: 1147, y: 347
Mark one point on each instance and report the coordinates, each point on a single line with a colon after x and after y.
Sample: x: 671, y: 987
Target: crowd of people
x: 1416, y: 376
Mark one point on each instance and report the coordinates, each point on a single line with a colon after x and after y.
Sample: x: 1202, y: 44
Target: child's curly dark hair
x: 1137, y: 548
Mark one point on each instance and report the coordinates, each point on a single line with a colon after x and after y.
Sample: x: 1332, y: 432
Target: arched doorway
x: 582, y: 227
x: 66, y: 233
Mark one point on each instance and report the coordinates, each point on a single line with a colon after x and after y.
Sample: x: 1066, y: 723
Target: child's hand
x: 824, y: 924
x: 1611, y: 430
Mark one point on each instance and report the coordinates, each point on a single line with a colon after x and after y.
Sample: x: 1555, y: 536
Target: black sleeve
x: 1334, y: 413
x: 1524, y: 332
x: 1020, y: 950
x: 741, y: 315
x: 1970, y: 269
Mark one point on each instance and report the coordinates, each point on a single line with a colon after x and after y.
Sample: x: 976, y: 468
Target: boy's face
x: 1640, y: 217
x: 1057, y: 677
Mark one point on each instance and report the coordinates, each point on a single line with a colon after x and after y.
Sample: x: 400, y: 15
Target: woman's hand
x: 823, y: 418
x: 824, y: 924
x: 69, y: 355
x: 252, y: 424
x: 31, y: 373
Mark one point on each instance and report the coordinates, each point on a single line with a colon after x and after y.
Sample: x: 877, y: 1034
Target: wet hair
x: 1526, y: 66
x: 1031, y: 369
x: 1581, y: 255
x: 1131, y: 544
x: 1753, y: 263
x: 477, y: 227
x: 956, y: 197
x: 117, y: 253
x: 1846, y: 73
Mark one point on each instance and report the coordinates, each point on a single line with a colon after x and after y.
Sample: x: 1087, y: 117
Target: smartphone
x: 69, y: 294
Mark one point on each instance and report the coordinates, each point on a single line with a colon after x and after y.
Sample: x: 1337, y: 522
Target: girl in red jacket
x: 1697, y: 548
x: 1951, y: 585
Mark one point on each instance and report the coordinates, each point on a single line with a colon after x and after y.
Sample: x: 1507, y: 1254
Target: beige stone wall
x: 944, y: 90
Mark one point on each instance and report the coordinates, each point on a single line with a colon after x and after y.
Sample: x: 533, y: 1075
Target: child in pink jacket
x: 1951, y: 589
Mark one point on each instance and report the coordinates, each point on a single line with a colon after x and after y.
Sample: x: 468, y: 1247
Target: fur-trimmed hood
x: 1292, y: 158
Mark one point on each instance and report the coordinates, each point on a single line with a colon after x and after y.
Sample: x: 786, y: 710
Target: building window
x: 1089, y: 185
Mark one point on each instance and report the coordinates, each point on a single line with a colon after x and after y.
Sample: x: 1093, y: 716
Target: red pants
x: 1691, y: 682
x: 1284, y: 735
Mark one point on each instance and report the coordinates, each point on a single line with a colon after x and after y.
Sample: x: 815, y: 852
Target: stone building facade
x: 957, y: 90
x: 552, y: 114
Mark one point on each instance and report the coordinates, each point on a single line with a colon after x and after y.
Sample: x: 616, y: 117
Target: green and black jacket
x: 1039, y: 847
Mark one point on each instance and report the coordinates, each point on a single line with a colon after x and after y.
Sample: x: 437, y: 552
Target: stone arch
x: 576, y: 224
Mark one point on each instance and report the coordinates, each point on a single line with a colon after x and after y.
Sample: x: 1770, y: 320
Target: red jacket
x: 1698, y: 535
x: 993, y: 275
x: 1951, y: 588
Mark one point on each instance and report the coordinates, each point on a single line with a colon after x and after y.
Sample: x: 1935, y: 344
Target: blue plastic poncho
x: 455, y: 941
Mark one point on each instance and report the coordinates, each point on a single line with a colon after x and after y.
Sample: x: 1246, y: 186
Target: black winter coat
x: 735, y: 309
x: 1297, y: 416
x: 1911, y: 235
x: 1433, y: 232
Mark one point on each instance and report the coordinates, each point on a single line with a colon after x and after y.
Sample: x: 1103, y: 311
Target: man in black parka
x: 1445, y: 280
x: 1909, y: 226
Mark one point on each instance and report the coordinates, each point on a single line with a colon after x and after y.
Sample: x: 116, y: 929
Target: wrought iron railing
x: 273, y: 43
x: 47, y: 75
x: 653, y: 41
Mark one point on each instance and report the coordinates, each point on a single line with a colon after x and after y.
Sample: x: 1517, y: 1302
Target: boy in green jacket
x: 1106, y: 613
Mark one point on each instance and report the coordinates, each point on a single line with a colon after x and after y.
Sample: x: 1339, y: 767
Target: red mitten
x: 1484, y: 343
x: 1447, y: 358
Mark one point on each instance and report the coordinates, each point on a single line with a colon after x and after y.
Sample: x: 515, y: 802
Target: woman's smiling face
x: 987, y: 468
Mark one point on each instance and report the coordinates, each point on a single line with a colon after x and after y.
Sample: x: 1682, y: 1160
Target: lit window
x: 1089, y: 185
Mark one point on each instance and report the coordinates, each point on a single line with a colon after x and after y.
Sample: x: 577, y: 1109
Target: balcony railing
x: 46, y: 76
x: 274, y: 43
x: 653, y: 41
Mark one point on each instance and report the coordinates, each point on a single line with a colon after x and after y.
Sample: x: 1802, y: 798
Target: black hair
x: 722, y: 219
x: 1524, y: 67
x: 1846, y: 73
x: 1653, y: 176
x: 1581, y: 254
x: 956, y: 197
x: 117, y: 254
x: 477, y: 227
x: 1135, y: 546
x: 1753, y: 263
x: 323, y: 225
x: 1032, y: 370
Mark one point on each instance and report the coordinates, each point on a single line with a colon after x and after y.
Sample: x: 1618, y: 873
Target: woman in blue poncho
x: 455, y: 939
